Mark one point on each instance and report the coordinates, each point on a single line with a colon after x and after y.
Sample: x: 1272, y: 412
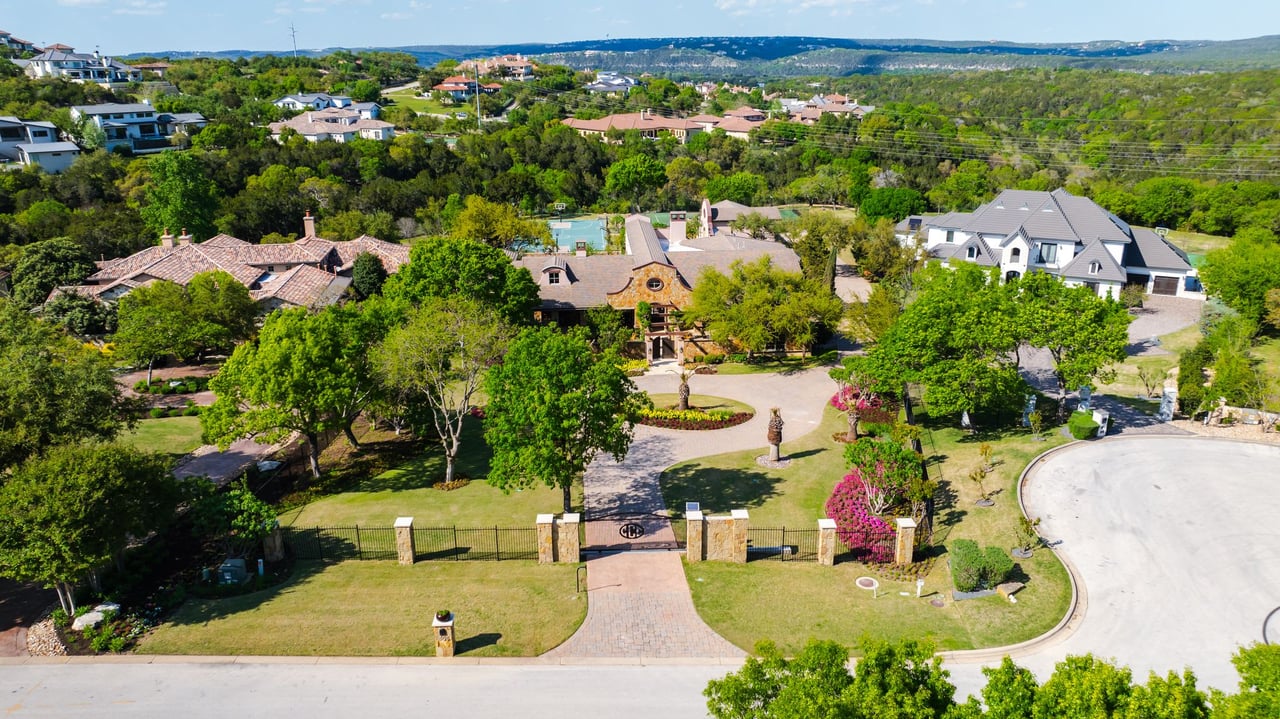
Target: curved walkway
x: 1173, y: 539
x: 639, y: 604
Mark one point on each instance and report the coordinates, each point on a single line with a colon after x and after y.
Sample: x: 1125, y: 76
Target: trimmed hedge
x: 973, y: 569
x: 1081, y: 425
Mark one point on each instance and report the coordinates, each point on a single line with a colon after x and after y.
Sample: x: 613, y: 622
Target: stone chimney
x: 308, y: 225
x: 166, y: 240
x: 184, y: 238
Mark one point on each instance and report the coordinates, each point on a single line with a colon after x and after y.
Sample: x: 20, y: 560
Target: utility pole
x: 293, y: 33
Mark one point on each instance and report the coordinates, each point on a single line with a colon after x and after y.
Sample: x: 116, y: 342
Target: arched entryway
x: 1011, y: 275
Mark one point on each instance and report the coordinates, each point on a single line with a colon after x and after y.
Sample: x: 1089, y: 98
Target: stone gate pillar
x: 404, y: 540
x: 546, y: 538
x: 827, y: 542
x: 568, y: 548
x: 904, y: 548
x: 694, y: 547
x: 740, y: 522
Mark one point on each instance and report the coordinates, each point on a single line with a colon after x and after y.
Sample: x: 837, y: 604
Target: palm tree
x: 684, y: 388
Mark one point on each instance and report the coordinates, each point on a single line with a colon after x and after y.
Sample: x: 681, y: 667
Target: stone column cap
x: 446, y: 623
x: 546, y: 519
x: 694, y: 516
x: 739, y: 514
x: 571, y: 518
x: 404, y: 522
x: 826, y: 524
x: 906, y: 523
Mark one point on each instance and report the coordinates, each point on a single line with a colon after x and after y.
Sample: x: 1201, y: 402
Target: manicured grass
x: 1197, y: 243
x: 1268, y: 353
x: 411, y: 100
x: 1127, y: 383
x: 175, y: 436
x: 406, y: 491
x: 670, y: 400
x: 380, y: 608
x: 769, y: 366
x: 789, y: 602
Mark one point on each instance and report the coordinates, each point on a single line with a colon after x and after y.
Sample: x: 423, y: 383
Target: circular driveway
x: 1176, y: 543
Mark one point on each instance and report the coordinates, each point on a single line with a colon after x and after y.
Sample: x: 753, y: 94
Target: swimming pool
x: 568, y: 233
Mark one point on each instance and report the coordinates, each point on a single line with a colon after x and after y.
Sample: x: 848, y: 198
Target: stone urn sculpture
x: 775, y: 434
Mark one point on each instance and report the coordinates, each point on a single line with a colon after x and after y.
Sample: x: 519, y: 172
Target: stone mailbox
x: 568, y: 548
x: 904, y: 548
x: 443, y: 629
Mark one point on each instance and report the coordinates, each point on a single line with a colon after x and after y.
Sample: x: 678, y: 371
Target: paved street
x: 1175, y: 542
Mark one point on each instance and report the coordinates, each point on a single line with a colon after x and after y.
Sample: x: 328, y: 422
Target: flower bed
x: 696, y: 419
x: 180, y: 385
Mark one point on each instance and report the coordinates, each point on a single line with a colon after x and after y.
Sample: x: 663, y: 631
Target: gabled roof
x: 632, y: 121
x: 393, y: 255
x: 1155, y: 252
x: 1094, y: 256
x: 643, y: 242
x: 40, y: 148
x: 112, y: 108
x: 982, y: 253
x: 302, y: 286
x: 1056, y: 216
x: 728, y: 211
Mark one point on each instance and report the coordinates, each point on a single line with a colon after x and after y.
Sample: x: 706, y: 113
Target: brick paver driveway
x: 639, y: 603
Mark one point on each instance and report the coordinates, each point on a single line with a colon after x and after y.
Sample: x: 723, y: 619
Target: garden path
x: 639, y: 603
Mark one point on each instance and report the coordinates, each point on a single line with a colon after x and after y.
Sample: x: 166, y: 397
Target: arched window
x: 1095, y: 267
x: 1016, y: 255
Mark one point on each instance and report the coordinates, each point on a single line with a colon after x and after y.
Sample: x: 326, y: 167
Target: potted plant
x: 1027, y: 537
x: 443, y: 615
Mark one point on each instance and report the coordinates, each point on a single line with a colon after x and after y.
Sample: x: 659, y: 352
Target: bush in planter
x: 191, y: 412
x: 1081, y: 425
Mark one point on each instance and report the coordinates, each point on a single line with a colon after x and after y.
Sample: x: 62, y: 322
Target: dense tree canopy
x: 554, y: 404
x: 448, y: 267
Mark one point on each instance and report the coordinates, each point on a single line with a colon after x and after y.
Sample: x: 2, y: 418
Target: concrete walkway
x: 639, y: 603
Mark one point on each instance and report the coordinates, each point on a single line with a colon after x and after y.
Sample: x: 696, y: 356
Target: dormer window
x: 553, y: 277
x: 1016, y: 255
x: 1095, y: 267
x: 1048, y: 254
x: 972, y: 253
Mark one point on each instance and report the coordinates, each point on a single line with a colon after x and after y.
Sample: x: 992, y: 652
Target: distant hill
x: 799, y: 56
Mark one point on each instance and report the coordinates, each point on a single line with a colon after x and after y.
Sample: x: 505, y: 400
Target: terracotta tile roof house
x: 646, y: 122
x: 659, y: 270
x: 717, y: 219
x: 311, y: 272
x: 334, y: 123
x: 511, y: 67
x: 1059, y: 233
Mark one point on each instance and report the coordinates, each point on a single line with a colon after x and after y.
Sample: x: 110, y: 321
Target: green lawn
x: 411, y: 100
x: 1268, y: 353
x: 670, y: 400
x: 372, y: 608
x: 1127, y: 382
x: 769, y: 366
x: 1196, y: 243
x: 791, y: 602
x: 406, y: 491
x: 175, y: 436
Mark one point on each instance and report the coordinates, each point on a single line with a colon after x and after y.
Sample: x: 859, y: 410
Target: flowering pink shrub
x: 870, y: 538
x: 854, y: 400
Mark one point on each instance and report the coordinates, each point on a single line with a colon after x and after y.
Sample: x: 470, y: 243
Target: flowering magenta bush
x: 854, y: 400
x: 870, y: 538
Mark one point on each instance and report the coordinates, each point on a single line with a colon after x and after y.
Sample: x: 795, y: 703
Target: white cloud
x: 395, y: 16
x: 141, y: 7
x: 80, y: 3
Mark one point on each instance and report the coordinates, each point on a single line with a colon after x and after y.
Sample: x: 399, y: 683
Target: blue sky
x: 126, y: 26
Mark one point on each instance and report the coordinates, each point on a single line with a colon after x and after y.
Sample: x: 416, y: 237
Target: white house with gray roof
x: 63, y: 61
x: 138, y: 126
x: 324, y: 101
x: 1072, y: 237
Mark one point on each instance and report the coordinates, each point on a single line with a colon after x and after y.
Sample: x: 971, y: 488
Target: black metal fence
x: 782, y: 544
x: 460, y: 544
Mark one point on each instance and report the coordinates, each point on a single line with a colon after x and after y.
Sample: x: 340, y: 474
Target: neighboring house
x: 1071, y: 237
x: 811, y: 111
x: 719, y: 218
x: 736, y: 123
x: 460, y: 87
x: 338, y: 125
x: 52, y: 157
x: 508, y: 67
x: 658, y: 269
x: 324, y: 101
x: 612, y: 82
x: 311, y: 272
x: 137, y: 125
x: 646, y: 122
x: 155, y: 68
x: 17, y: 44
x: 63, y: 61
x: 14, y: 132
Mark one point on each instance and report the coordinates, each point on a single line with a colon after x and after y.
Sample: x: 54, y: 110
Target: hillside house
x: 336, y: 124
x: 63, y: 61
x: 649, y: 124
x: 138, y: 126
x: 316, y: 101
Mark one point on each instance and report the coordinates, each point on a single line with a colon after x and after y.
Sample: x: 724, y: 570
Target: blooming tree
x: 853, y: 400
x: 886, y: 469
x: 870, y: 537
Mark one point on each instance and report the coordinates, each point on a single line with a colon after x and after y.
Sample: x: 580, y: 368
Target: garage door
x: 1165, y: 286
